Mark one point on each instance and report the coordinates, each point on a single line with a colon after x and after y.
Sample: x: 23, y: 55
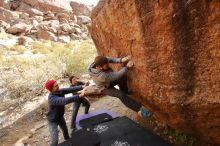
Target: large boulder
x: 175, y: 47
x: 51, y: 23
x: 52, y: 29
x: 23, y: 7
x: 77, y: 31
x: 49, y: 16
x: 75, y: 36
x: 23, y: 16
x: 63, y: 21
x: 31, y: 2
x: 46, y: 35
x: 66, y: 28
x: 63, y: 16
x: 39, y: 19
x: 4, y: 25
x: 7, y: 15
x: 4, y: 4
x: 18, y: 28
x: 80, y: 9
x: 49, y: 5
x: 83, y: 20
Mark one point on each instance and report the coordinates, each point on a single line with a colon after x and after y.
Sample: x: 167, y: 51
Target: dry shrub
x: 24, y: 77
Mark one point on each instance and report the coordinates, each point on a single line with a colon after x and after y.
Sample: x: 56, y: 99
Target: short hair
x: 100, y: 60
x: 71, y: 78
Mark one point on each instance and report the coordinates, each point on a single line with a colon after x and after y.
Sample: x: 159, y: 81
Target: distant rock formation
x: 80, y: 9
x: 44, y: 19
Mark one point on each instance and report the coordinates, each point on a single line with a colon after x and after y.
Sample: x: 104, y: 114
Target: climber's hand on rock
x: 126, y: 59
x: 130, y: 64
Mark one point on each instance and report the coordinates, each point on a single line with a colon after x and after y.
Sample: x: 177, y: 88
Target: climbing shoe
x: 144, y: 113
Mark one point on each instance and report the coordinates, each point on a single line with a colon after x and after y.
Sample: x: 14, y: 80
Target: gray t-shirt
x: 104, y: 79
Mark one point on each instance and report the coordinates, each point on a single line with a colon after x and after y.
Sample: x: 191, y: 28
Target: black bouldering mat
x: 113, y: 132
x: 83, y: 137
x: 125, y: 132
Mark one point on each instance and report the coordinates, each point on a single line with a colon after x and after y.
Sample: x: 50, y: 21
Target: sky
x: 88, y: 2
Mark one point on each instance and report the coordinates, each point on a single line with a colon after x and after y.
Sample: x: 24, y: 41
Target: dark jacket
x: 77, y: 84
x: 57, y: 101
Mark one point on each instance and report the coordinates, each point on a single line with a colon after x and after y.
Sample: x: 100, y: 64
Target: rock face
x: 49, y: 5
x: 4, y: 25
x: 43, y: 19
x: 175, y: 48
x: 46, y: 35
x: 34, y: 19
x: 83, y: 20
x: 18, y: 28
x: 80, y: 9
x: 4, y: 4
x: 29, y: 10
x: 8, y: 16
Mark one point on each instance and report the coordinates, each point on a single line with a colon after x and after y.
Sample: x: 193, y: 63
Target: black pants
x: 122, y: 94
x: 76, y: 106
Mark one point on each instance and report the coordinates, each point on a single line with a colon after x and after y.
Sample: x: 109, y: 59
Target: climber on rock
x: 105, y: 79
x: 56, y: 103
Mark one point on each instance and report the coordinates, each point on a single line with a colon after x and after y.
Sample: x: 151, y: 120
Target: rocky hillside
x: 175, y: 48
x: 44, y: 37
x: 54, y: 20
